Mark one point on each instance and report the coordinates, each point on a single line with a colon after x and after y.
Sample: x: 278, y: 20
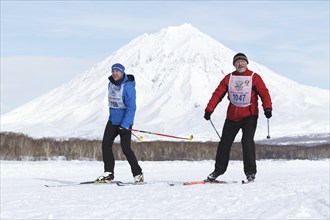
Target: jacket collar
x: 119, y: 82
x: 246, y: 73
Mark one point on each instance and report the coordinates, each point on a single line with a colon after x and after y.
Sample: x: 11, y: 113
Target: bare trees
x: 21, y: 147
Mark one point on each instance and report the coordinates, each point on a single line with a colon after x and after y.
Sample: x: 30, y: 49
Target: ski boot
x: 139, y: 179
x: 250, y: 177
x: 105, y: 178
x: 212, y: 176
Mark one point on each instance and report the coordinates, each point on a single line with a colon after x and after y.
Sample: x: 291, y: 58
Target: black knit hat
x: 240, y: 56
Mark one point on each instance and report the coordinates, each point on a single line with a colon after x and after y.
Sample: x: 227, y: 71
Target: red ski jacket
x: 236, y: 113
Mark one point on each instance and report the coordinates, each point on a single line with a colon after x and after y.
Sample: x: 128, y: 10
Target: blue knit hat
x: 119, y: 67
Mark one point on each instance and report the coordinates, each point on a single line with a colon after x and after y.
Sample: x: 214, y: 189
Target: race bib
x: 240, y: 89
x: 115, y: 96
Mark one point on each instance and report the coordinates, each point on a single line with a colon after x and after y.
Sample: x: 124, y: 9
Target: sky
x: 46, y: 43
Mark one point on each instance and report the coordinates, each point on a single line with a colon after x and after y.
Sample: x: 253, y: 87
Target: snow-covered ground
x: 297, y: 189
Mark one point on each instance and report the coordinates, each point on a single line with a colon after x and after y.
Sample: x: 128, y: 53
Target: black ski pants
x: 229, y: 132
x: 110, y: 133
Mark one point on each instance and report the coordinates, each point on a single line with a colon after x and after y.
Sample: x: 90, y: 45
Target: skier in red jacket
x: 243, y: 87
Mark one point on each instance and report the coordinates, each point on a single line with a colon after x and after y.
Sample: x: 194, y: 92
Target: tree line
x: 17, y: 146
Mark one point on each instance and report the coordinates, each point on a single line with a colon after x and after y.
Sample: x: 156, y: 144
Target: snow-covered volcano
x: 176, y: 71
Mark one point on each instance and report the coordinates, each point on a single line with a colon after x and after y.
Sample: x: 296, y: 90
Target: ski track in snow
x: 296, y: 189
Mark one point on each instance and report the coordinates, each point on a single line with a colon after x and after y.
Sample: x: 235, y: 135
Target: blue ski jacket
x: 122, y: 101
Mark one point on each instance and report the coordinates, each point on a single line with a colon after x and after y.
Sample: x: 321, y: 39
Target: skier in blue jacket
x: 122, y: 107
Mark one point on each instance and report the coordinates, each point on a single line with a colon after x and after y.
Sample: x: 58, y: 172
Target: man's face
x: 117, y: 75
x: 241, y: 66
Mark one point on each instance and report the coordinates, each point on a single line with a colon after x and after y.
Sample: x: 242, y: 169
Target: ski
x: 169, y: 183
x: 247, y: 181
x: 166, y: 183
x: 84, y: 183
x: 207, y: 182
x: 131, y: 183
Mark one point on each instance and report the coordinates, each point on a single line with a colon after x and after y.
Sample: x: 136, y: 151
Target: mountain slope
x: 176, y: 71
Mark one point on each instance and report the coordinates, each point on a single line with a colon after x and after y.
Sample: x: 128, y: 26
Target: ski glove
x: 207, y: 115
x: 268, y: 113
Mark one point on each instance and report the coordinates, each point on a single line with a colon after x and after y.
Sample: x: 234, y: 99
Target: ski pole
x: 165, y: 135
x: 268, y: 136
x: 215, y: 129
x: 140, y: 138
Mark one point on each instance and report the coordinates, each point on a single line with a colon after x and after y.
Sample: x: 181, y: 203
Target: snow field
x: 297, y: 189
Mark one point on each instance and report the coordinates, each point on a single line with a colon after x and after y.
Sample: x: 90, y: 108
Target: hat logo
x: 117, y: 68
